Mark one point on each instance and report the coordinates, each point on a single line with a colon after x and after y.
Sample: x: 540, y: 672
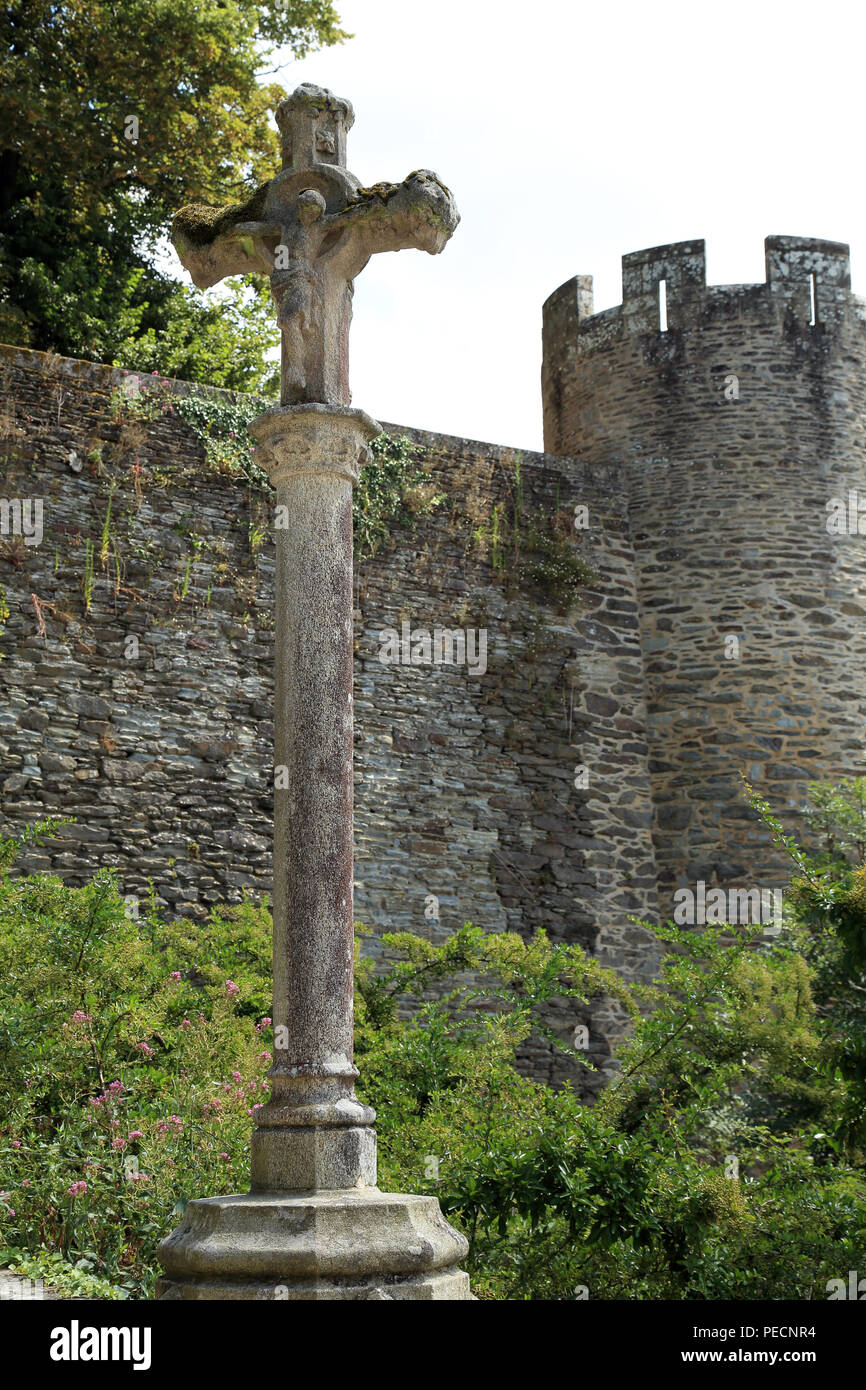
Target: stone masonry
x: 734, y: 430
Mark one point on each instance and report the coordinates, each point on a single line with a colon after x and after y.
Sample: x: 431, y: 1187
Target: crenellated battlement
x: 664, y: 288
x: 681, y: 268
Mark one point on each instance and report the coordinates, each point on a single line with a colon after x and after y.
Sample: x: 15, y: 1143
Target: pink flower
x: 26, y: 1182
x: 144, y: 1049
x: 135, y: 1134
x: 80, y: 1017
x: 225, y: 1157
x: 116, y: 1087
x: 16, y: 1143
x: 175, y: 975
x: 163, y: 1126
x: 139, y: 1177
x: 232, y: 989
x: 264, y: 1056
x: 185, y: 1023
x: 265, y: 1023
x: 118, y: 1143
x: 236, y: 1076
x: 76, y: 1189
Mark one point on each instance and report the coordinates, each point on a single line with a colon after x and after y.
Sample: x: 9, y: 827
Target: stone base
x: 352, y: 1244
x: 313, y: 1158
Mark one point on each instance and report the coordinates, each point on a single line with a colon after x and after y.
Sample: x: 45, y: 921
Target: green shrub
x: 725, y: 1161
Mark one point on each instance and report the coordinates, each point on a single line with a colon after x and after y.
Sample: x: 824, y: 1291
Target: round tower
x: 737, y: 414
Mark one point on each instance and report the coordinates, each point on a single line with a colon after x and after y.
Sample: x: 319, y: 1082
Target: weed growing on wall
x: 394, y: 489
x: 531, y: 548
x: 87, y: 577
x: 4, y: 613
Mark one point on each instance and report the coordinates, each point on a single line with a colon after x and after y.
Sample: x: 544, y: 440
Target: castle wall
x: 734, y: 429
x: 464, y: 784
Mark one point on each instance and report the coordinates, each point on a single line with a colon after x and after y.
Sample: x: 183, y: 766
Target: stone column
x: 314, y: 1225
x: 314, y: 1132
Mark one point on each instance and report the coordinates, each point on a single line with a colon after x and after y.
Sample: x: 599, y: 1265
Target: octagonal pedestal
x: 352, y: 1244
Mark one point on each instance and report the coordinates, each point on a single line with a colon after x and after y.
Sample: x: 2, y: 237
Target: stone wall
x: 733, y: 429
x: 147, y: 716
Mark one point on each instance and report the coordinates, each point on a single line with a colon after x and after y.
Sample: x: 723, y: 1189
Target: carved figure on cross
x: 311, y: 229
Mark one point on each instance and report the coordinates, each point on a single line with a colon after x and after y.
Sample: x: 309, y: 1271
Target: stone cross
x: 312, y: 229
x: 314, y: 1223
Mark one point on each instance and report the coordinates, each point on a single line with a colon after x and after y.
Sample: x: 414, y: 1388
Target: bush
x: 726, y: 1161
x: 132, y: 1055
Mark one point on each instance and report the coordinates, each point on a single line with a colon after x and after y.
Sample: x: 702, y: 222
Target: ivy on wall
x: 394, y: 486
x: 221, y: 424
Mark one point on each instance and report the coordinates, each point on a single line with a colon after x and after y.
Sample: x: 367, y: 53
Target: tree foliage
x: 112, y: 117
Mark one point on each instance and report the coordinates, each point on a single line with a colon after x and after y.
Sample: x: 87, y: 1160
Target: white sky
x: 570, y: 134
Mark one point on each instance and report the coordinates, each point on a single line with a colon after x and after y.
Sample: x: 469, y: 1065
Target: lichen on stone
x: 382, y: 190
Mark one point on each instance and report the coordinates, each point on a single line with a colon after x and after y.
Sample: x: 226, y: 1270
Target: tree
x: 112, y: 117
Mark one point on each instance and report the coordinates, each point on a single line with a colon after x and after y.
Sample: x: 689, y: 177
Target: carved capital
x: 313, y: 438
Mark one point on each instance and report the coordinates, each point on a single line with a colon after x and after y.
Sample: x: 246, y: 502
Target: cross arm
x: 420, y: 212
x: 215, y: 242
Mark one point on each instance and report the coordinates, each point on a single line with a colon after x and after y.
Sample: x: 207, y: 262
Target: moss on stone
x: 200, y: 225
